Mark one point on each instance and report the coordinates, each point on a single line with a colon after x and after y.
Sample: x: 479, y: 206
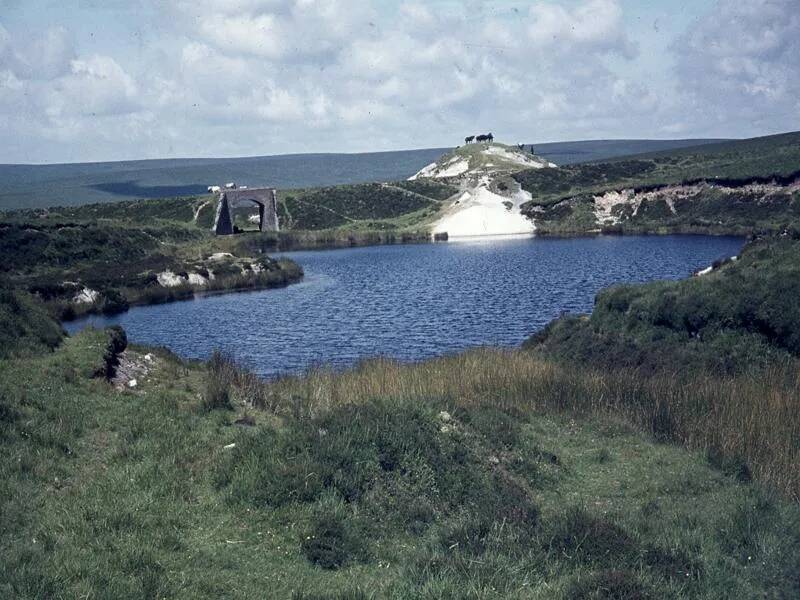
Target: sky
x: 98, y: 80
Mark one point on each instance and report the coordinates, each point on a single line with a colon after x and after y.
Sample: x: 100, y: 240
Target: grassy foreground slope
x: 476, y: 476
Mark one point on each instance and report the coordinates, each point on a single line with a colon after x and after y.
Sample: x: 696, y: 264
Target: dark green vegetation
x: 742, y: 316
x: 740, y: 320
x: 467, y: 477
x: 120, y: 262
x: 726, y: 201
x: 119, y: 249
x: 375, y: 206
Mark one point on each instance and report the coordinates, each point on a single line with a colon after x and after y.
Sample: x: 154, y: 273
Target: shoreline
x: 188, y: 292
x: 538, y: 232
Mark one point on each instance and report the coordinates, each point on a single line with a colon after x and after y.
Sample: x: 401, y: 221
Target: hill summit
x: 482, y: 159
x: 489, y: 200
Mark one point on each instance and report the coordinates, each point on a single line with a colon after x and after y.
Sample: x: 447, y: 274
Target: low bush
x: 675, y: 564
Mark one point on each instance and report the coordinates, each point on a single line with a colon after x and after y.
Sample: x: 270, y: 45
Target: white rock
x: 517, y: 157
x: 170, y: 279
x: 86, y: 296
x: 481, y: 212
x: 132, y: 383
x: 705, y: 271
x: 197, y: 279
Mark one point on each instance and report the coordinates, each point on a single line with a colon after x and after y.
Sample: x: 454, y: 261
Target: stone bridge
x: 229, y: 199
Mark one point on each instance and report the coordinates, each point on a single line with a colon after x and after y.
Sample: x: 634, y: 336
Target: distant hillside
x: 35, y: 186
x: 570, y: 153
x: 728, y: 187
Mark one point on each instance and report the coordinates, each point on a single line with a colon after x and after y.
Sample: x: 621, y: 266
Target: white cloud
x: 594, y: 26
x: 42, y: 57
x: 261, y: 76
x: 98, y: 86
x: 740, y: 66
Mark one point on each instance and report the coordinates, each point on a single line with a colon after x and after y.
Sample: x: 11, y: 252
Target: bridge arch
x: 264, y: 198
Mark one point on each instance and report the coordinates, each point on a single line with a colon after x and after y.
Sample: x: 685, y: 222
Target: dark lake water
x: 413, y: 302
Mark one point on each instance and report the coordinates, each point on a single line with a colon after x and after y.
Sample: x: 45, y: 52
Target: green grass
x: 360, y: 485
x: 562, y: 198
x: 351, y: 205
x: 647, y: 451
x: 134, y: 213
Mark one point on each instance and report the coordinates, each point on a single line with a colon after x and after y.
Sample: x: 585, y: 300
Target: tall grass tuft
x: 219, y: 385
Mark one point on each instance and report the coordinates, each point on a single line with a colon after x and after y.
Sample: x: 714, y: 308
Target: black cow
x: 467, y: 140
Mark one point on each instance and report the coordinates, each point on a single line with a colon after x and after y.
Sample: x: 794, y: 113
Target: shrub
x: 8, y: 414
x: 25, y: 325
x: 112, y: 302
x: 220, y: 376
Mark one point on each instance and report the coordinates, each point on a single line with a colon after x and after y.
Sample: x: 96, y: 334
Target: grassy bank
x: 757, y: 159
x: 487, y: 475
x: 741, y: 316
